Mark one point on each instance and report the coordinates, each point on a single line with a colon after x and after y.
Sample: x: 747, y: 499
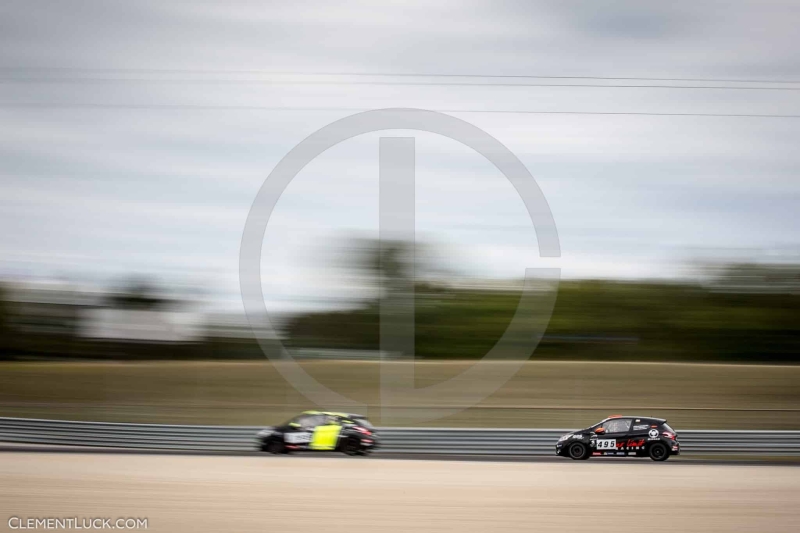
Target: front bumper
x: 560, y: 448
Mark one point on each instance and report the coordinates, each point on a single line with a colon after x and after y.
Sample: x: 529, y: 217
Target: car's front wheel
x: 275, y: 446
x: 658, y: 452
x: 578, y: 451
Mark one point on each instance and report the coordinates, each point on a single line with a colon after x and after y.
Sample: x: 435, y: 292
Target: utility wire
x: 203, y: 107
x: 389, y: 83
x: 380, y: 74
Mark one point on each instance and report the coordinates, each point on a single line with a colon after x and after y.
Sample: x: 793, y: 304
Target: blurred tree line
x: 593, y: 320
x: 741, y: 312
x: 744, y: 313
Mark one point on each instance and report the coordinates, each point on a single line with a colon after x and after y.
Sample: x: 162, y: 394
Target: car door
x: 300, y: 431
x: 613, y: 440
x: 637, y: 438
x: 326, y: 434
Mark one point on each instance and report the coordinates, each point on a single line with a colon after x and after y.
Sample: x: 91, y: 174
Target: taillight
x: 365, y: 431
x: 669, y: 435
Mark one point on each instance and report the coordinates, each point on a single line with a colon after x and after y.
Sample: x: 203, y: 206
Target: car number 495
x: 606, y: 444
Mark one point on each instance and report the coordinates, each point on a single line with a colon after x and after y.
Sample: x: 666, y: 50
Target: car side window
x: 617, y: 425
x: 306, y: 421
x: 317, y: 420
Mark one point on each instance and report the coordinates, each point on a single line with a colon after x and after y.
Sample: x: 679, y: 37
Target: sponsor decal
x: 577, y: 436
x: 297, y: 438
x: 653, y: 433
x: 640, y: 428
x: 635, y: 443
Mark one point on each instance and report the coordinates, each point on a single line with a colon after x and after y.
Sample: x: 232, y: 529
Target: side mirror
x: 599, y: 431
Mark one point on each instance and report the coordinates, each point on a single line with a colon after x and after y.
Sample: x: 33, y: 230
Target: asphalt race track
x: 239, y: 493
x: 380, y: 454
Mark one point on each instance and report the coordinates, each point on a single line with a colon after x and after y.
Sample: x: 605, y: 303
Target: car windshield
x: 304, y: 420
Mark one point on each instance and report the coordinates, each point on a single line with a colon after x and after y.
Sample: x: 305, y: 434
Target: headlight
x: 264, y: 433
x: 565, y: 437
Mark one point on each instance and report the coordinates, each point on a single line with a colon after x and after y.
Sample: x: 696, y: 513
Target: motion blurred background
x: 135, y: 136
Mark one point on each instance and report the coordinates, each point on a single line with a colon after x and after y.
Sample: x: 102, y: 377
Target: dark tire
x: 658, y: 452
x: 578, y: 451
x: 275, y: 447
x: 351, y: 446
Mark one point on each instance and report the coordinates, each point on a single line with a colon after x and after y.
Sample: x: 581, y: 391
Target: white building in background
x: 45, y: 306
x: 141, y: 325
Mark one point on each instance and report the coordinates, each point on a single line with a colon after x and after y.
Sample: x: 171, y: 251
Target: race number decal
x: 606, y: 444
x: 297, y: 438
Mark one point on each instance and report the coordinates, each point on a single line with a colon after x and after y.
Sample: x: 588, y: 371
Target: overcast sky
x: 135, y: 135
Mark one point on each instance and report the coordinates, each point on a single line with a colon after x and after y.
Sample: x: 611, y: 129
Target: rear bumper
x: 371, y: 443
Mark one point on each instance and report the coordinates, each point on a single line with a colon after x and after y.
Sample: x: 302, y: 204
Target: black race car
x: 638, y: 436
x: 321, y: 431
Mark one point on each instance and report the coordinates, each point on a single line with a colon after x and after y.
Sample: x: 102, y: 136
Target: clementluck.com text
x: 15, y: 523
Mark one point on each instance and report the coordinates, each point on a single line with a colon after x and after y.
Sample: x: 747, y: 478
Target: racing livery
x: 321, y: 431
x: 623, y: 436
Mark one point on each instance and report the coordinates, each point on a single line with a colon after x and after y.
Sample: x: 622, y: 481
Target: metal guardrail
x: 506, y: 442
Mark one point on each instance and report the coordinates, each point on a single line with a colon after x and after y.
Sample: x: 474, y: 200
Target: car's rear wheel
x: 274, y: 446
x: 658, y: 452
x: 351, y: 446
x: 578, y: 451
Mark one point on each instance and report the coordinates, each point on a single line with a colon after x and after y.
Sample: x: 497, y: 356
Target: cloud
x: 164, y: 181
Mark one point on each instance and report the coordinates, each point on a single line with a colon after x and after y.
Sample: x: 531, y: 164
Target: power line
x: 384, y: 74
x: 390, y: 83
x: 203, y: 107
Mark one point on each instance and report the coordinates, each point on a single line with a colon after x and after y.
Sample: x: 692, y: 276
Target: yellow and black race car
x: 321, y: 431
